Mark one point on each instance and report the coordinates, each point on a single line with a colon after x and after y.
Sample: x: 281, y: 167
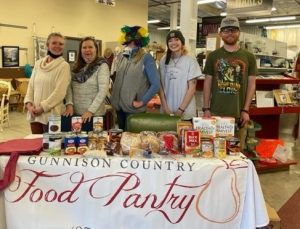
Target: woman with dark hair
x: 48, y: 84
x: 179, y: 73
x: 137, y: 78
x: 89, y: 85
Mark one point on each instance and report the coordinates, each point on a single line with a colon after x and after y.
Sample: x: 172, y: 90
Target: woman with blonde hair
x: 48, y: 85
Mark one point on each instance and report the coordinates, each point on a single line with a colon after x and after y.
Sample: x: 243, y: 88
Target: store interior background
x: 77, y: 18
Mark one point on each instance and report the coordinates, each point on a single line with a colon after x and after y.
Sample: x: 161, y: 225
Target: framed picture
x: 71, y: 56
x: 282, y: 97
x: 10, y: 56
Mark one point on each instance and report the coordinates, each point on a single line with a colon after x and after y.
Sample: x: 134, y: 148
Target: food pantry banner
x: 93, y: 193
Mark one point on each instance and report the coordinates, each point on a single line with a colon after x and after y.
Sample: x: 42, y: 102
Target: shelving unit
x: 269, y: 117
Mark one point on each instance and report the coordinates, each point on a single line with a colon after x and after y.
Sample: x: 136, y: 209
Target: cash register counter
x: 119, y: 192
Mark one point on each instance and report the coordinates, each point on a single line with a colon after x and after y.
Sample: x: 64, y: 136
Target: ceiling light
x: 206, y: 1
x: 166, y: 28
x: 223, y: 14
x: 273, y: 9
x: 153, y: 21
x: 270, y: 19
x: 283, y: 26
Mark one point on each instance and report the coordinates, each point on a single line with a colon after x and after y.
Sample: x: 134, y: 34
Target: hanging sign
x: 249, y: 8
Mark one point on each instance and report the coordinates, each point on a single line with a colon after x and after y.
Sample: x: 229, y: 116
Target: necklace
x: 176, y: 62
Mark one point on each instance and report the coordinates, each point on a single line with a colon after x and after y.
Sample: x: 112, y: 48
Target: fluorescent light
x: 270, y: 19
x: 206, y: 1
x: 153, y: 21
x: 283, y: 26
x: 166, y: 28
x: 273, y: 9
x: 223, y: 14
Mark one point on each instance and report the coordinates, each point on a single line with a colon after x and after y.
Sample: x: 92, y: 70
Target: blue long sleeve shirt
x: 152, y: 74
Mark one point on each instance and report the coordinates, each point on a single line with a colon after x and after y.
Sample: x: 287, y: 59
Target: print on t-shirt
x: 230, y: 73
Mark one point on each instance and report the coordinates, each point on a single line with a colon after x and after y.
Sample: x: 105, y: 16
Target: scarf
x: 86, y: 72
x: 53, y: 55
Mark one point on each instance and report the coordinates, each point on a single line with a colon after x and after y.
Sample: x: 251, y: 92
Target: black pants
x: 67, y: 121
x: 121, y: 118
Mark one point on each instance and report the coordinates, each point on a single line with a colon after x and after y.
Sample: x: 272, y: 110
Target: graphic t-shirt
x: 230, y: 71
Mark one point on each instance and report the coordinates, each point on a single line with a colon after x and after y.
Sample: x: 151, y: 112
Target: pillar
x: 188, y: 24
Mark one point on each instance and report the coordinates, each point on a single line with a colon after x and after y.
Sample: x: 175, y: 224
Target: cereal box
x: 192, y: 141
x: 225, y: 126
x: 183, y: 125
x: 206, y: 126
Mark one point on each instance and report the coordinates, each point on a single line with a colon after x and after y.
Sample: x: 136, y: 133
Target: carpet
x: 289, y: 213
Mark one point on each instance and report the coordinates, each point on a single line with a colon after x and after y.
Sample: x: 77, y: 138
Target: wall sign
x: 253, y: 8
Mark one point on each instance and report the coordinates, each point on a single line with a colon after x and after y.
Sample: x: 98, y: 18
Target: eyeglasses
x: 230, y: 30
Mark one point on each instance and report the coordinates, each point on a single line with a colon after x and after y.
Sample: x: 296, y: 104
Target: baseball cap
x: 230, y: 21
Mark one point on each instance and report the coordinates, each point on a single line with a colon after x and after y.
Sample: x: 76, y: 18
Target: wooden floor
x: 277, y: 187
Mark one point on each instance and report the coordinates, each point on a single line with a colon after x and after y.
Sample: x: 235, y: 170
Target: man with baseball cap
x: 230, y: 71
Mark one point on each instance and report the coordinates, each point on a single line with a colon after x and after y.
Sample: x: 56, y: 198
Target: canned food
x: 233, y: 146
x: 220, y: 148
x: 55, y: 144
x: 45, y: 141
x: 207, y: 147
x: 54, y: 125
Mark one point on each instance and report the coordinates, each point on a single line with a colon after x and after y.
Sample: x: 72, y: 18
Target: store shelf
x: 271, y: 56
x: 274, y: 110
x: 286, y: 80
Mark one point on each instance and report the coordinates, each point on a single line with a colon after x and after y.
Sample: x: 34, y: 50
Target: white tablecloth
x: 73, y: 192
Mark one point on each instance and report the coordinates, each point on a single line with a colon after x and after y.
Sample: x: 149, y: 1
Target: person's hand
x: 137, y: 104
x: 244, y: 118
x: 38, y: 110
x: 30, y: 109
x: 86, y: 116
x: 167, y: 110
x: 69, y: 110
x: 179, y: 113
x: 207, y: 114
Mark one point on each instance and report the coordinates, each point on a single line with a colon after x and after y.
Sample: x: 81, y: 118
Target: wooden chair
x: 22, y: 84
x: 5, y: 90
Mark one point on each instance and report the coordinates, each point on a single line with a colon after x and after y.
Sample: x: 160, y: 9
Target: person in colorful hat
x: 179, y: 73
x: 137, y: 78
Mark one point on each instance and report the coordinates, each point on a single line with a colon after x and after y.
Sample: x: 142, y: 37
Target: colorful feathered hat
x: 137, y: 34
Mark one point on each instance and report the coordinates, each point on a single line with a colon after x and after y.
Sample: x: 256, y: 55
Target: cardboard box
x: 274, y: 218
